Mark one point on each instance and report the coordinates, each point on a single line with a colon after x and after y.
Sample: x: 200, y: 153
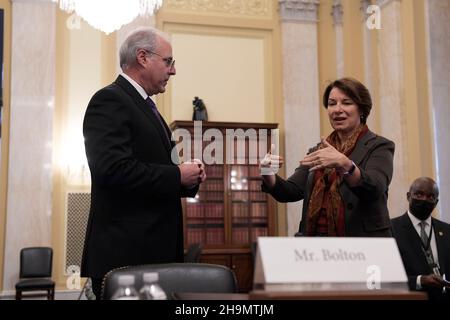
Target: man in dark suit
x: 423, y: 241
x: 136, y: 214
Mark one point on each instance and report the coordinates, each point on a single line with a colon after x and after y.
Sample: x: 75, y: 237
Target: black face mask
x: 421, y: 209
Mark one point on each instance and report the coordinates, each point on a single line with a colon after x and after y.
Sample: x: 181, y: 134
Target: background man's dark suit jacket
x: 136, y: 215
x: 409, y: 245
x: 366, y: 212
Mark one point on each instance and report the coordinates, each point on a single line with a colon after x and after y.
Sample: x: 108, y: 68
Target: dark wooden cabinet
x: 230, y: 211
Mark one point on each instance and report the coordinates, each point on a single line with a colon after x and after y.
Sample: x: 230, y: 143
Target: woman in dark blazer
x: 343, y: 180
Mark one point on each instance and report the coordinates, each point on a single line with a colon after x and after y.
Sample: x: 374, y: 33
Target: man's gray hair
x: 142, y: 38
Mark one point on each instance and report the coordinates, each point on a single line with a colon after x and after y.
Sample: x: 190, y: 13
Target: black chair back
x: 36, y: 262
x: 177, y: 277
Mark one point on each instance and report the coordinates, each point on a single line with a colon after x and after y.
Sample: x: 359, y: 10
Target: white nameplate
x: 325, y: 263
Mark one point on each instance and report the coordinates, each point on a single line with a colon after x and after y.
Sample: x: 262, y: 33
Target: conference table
x: 306, y: 295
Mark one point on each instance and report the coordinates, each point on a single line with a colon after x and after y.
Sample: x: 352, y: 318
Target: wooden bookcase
x: 230, y: 210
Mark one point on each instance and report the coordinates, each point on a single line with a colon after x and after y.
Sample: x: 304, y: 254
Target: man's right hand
x: 192, y: 174
x: 432, y: 281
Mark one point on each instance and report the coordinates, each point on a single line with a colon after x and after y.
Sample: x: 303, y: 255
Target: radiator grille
x: 78, y: 205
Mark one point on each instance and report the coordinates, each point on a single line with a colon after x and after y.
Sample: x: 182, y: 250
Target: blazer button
x: 350, y: 206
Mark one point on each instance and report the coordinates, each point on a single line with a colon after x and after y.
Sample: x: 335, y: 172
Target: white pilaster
x: 300, y: 88
x: 29, y: 199
x: 369, y: 72
x: 338, y: 21
x: 392, y: 108
x: 299, y: 10
x: 438, y: 25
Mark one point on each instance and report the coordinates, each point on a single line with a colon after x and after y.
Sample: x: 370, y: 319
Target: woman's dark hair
x: 356, y: 91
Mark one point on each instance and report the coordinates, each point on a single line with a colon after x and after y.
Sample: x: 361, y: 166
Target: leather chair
x: 193, y: 253
x: 177, y: 277
x: 36, y: 272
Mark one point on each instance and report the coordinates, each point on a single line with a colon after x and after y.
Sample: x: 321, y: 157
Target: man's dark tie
x: 158, y: 116
x: 426, y: 244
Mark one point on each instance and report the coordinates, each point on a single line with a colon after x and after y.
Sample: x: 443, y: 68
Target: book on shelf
x: 258, y: 209
x: 194, y: 210
x: 239, y: 195
x: 213, y: 210
x: 254, y: 171
x: 255, y: 185
x: 240, y: 209
x: 257, y: 196
x: 241, y: 235
x: 214, y: 171
x: 258, y: 232
x: 215, y: 236
x: 195, y: 236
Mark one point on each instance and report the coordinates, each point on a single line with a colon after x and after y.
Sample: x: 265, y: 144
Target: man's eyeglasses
x: 170, y: 62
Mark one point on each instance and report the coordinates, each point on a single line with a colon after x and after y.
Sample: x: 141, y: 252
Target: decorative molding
x: 229, y: 7
x: 364, y: 5
x: 337, y: 13
x: 383, y: 3
x: 299, y: 10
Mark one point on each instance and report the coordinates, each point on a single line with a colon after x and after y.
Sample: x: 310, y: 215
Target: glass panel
x: 214, y: 171
x: 205, y: 213
x: 239, y: 178
x: 240, y: 222
x: 239, y: 192
x: 214, y: 213
x: 249, y: 204
x: 195, y: 232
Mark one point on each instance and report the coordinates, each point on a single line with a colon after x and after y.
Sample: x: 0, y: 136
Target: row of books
x: 210, y: 196
x: 249, y: 222
x: 245, y: 171
x: 254, y: 171
x: 245, y: 235
x: 198, y: 223
x: 249, y: 209
x: 206, y: 236
x: 248, y: 196
x: 214, y: 171
x: 214, y: 236
x: 239, y: 172
x: 204, y: 210
x: 254, y: 185
x: 214, y: 210
x: 212, y: 185
x: 258, y: 232
x: 239, y: 196
x: 258, y: 209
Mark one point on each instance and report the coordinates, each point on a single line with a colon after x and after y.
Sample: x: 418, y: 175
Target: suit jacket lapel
x: 361, y: 148
x: 140, y: 102
x: 413, y: 237
x: 441, y: 243
x: 358, y: 155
